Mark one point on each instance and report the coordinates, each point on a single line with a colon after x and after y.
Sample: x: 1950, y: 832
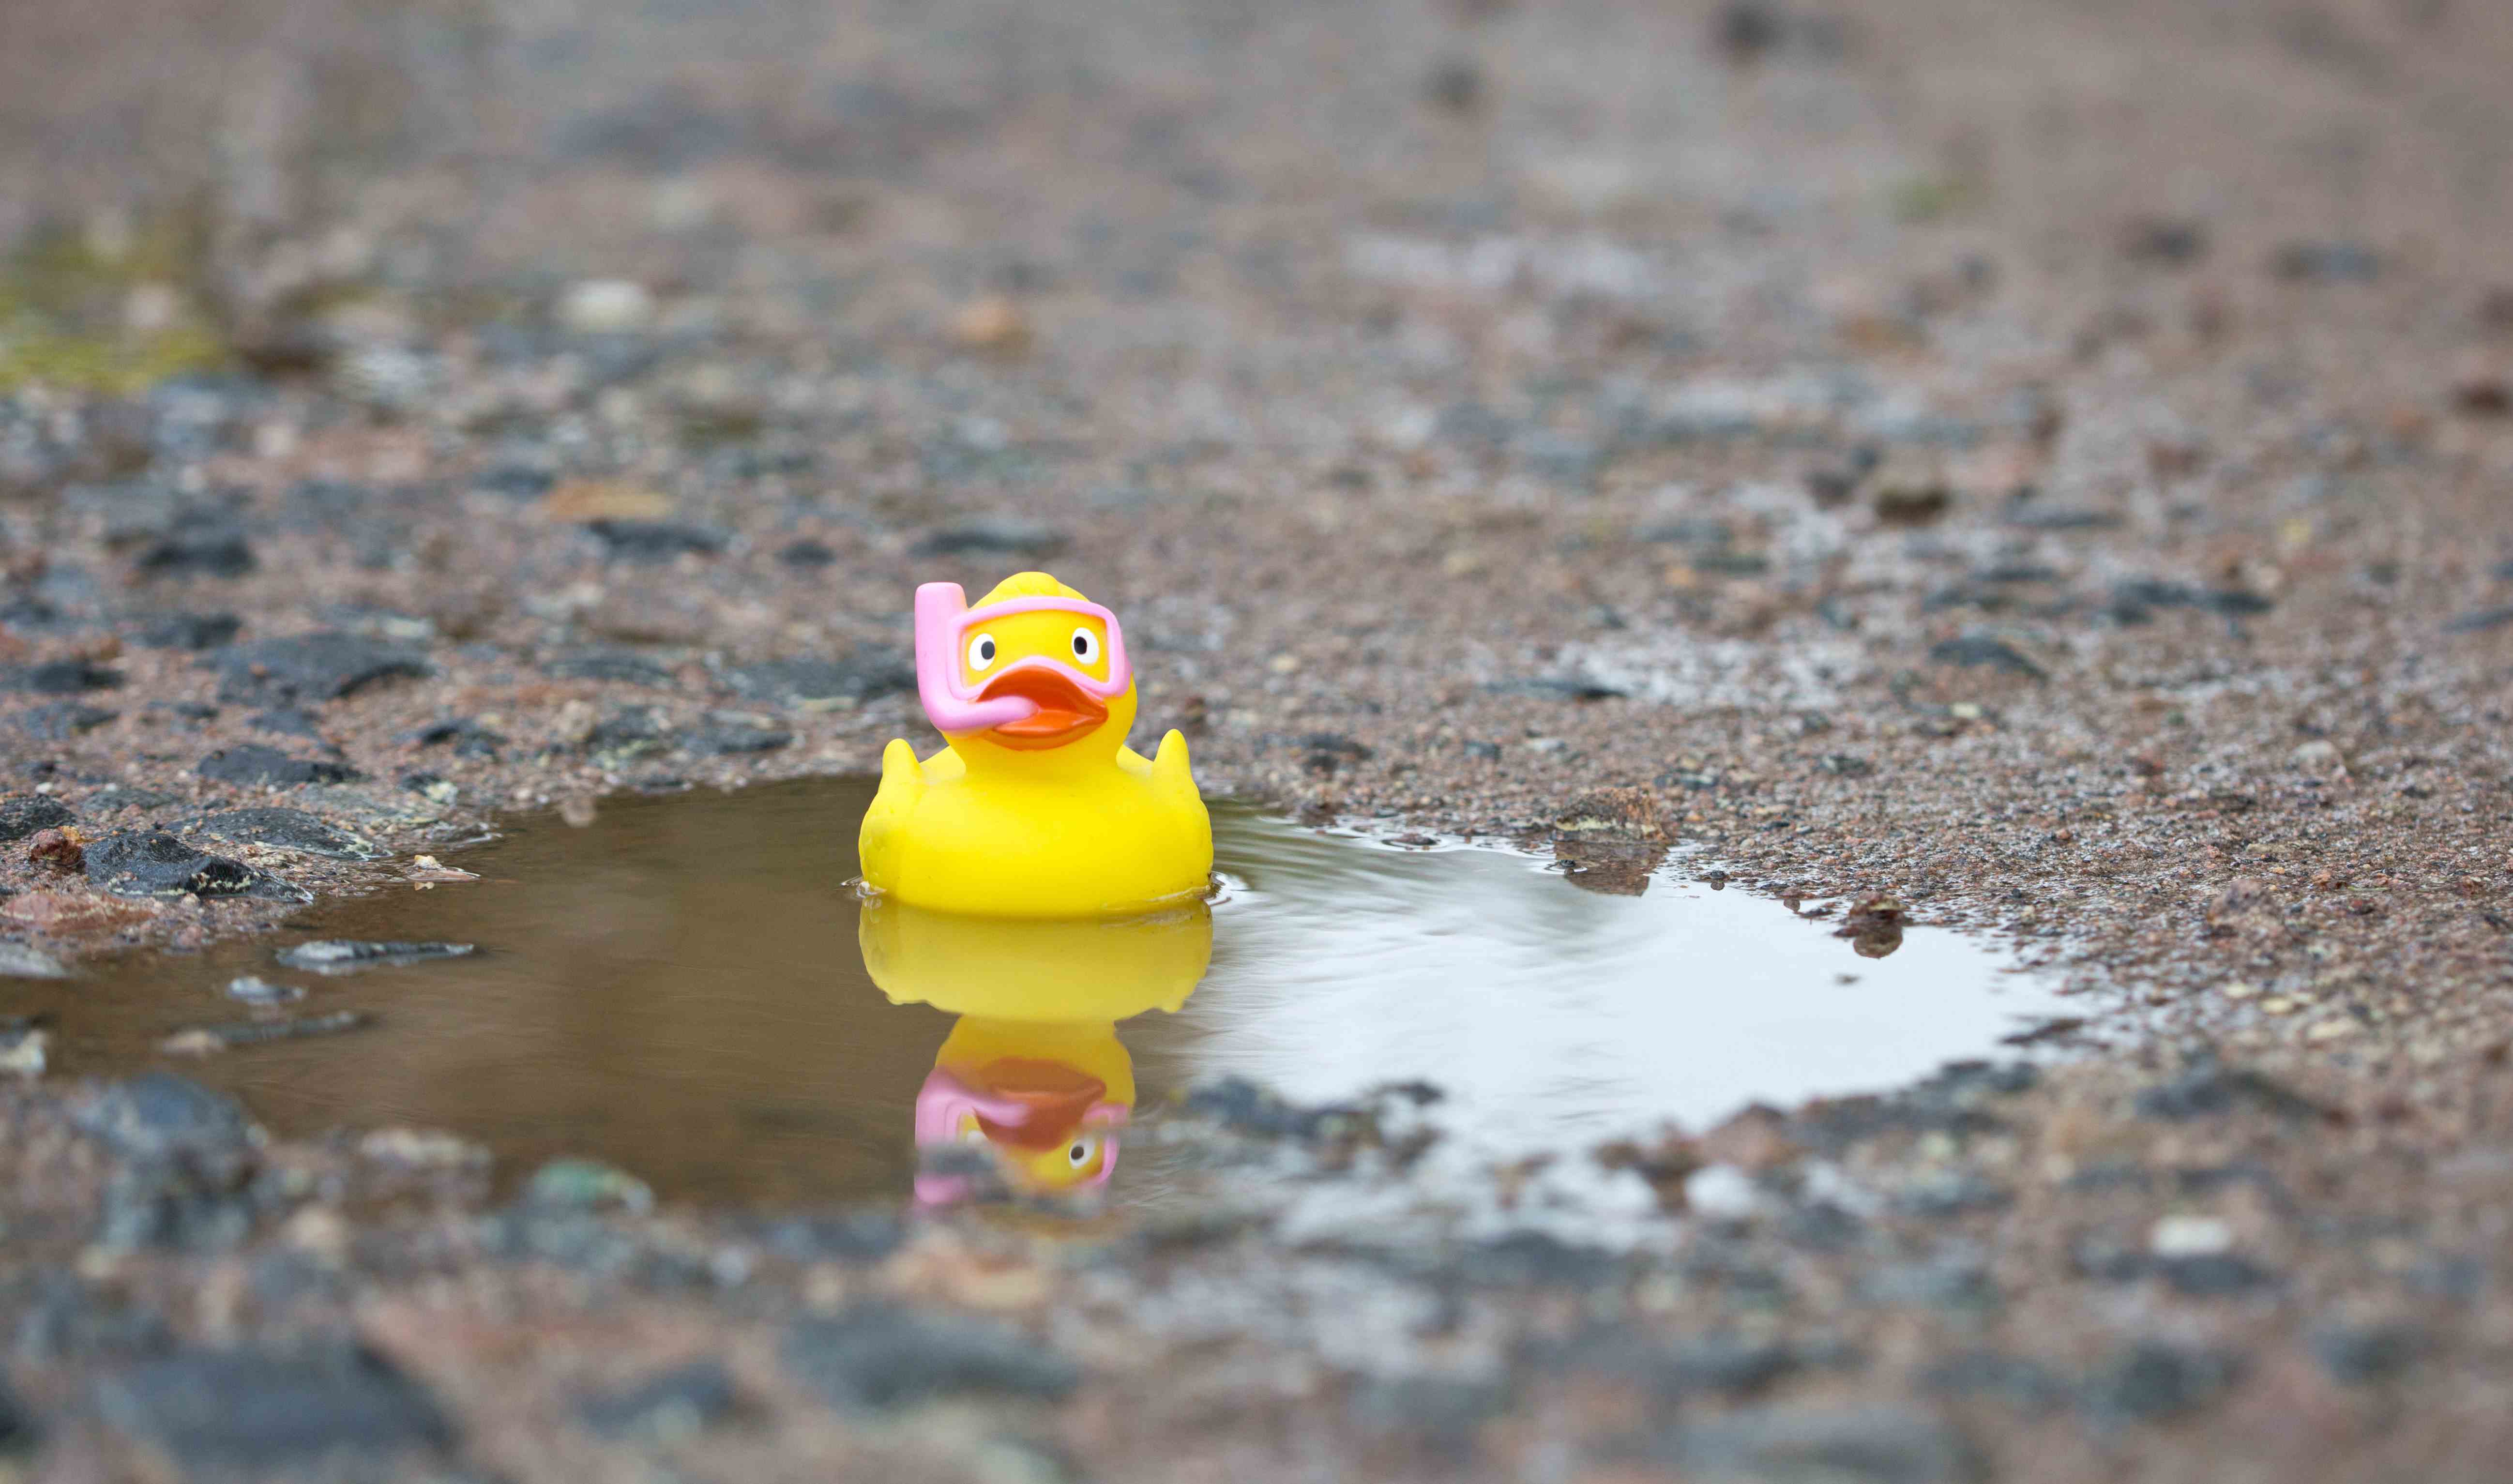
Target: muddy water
x: 686, y: 987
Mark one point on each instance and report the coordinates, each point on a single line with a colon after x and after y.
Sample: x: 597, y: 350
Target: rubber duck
x: 1032, y: 1070
x: 1036, y: 807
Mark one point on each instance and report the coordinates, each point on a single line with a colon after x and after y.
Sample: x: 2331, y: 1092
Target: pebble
x: 866, y: 673
x: 586, y: 1184
x: 1973, y: 649
x: 728, y: 735
x: 255, y: 990
x: 200, y: 545
x: 62, y: 720
x: 807, y: 555
x: 64, y: 677
x: 1876, y: 1445
x: 991, y: 322
x: 606, y: 306
x: 2480, y: 620
x: 622, y: 666
x: 1721, y: 1192
x: 2212, y: 1091
x: 310, y: 667
x: 23, y: 1049
x: 18, y: 961
x: 205, y: 1040
x: 154, y: 864
x: 255, y: 765
x: 2154, y: 1382
x: 2181, y: 1236
x: 346, y: 955
x: 877, y: 1356
x: 2357, y: 1356
x: 24, y: 814
x: 2326, y: 262
x: 655, y: 541
x: 992, y: 536
x: 672, y: 1405
x: 158, y: 1114
x: 290, y: 829
x: 256, y: 1410
x: 2174, y: 242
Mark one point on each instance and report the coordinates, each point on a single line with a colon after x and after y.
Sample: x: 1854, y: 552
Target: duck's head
x: 1047, y: 1101
x: 1034, y: 673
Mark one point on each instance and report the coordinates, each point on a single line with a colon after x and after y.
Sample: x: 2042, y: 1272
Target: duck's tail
x: 902, y: 784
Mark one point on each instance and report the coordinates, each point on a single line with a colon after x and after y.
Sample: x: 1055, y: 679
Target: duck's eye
x: 1086, y: 646
x: 982, y: 652
x: 1081, y: 1151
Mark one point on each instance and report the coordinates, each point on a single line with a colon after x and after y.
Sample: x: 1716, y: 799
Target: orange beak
x: 1054, y: 1096
x: 1063, y: 712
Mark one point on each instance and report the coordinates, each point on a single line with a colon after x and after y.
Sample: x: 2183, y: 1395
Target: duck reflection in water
x: 1032, y: 1078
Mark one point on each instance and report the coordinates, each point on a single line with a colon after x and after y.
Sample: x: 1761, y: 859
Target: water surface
x: 682, y: 987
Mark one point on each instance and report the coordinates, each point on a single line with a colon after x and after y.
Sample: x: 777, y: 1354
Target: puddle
x: 684, y: 988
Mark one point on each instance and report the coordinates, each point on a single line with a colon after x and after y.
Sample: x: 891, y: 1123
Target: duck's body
x: 1047, y: 813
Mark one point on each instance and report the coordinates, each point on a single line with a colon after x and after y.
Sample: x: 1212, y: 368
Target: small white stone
x: 1721, y: 1192
x: 605, y: 306
x: 2191, y: 1237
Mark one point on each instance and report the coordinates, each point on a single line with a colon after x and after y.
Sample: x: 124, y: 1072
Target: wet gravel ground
x: 2043, y: 465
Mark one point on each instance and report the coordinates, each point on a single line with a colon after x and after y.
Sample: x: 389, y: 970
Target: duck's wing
x: 902, y: 784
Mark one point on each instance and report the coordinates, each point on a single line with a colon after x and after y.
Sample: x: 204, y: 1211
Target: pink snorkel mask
x: 944, y: 621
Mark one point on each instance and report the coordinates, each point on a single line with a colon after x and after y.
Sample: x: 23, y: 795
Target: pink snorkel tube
x: 944, y: 619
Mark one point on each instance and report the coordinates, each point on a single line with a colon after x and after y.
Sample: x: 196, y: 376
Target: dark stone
x: 814, y: 684
x: 1727, y: 1365
x: 2212, y: 1091
x: 71, y: 1321
x: 200, y: 545
x: 622, y: 666
x: 807, y: 555
x: 310, y: 667
x: 1557, y: 688
x: 1953, y: 1195
x: 732, y: 736
x: 875, y: 1356
x: 2026, y: 1384
x: 626, y: 735
x: 343, y: 955
x: 1978, y: 649
x: 1953, y: 1281
x: 2167, y: 241
x: 2137, y: 594
x: 2215, y: 1274
x: 62, y: 720
x: 676, y: 1403
x: 2326, y: 262
x: 255, y: 990
x: 289, y: 721
x: 157, y: 1114
x: 655, y: 541
x: 2359, y: 1355
x: 865, y: 1234
x: 24, y: 814
x: 992, y: 537
x: 2481, y: 620
x: 469, y: 738
x: 150, y: 863
x: 515, y: 481
x: 2153, y: 1381
x: 256, y: 1410
x: 65, y: 677
x: 255, y: 765
x: 1536, y: 1260
x: 1844, y: 765
x: 1244, y: 1107
x: 1822, y: 1226
x: 1443, y: 1414
x: 1486, y: 751
x: 2032, y: 516
x: 1802, y: 1445
x: 1456, y: 84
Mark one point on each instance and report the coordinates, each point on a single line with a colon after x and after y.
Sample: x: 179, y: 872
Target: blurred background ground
x: 2045, y: 459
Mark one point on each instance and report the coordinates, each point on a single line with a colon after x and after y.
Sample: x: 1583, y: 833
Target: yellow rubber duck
x: 1033, y: 1070
x: 1037, y: 808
